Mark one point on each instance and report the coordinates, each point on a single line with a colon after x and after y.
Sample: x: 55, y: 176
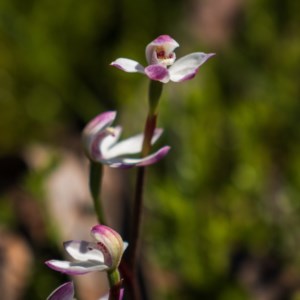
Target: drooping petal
x: 75, y: 268
x: 128, y: 65
x: 63, y: 292
x: 131, y: 145
x: 154, y: 158
x: 186, y: 67
x: 125, y: 163
x: 158, y: 72
x: 163, y: 43
x: 84, y: 251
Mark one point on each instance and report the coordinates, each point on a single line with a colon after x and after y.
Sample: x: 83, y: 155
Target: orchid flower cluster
x: 102, y: 147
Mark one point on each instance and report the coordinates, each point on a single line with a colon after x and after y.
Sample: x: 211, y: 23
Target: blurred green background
x: 223, y: 208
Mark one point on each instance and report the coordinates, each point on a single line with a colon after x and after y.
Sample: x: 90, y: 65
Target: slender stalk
x: 155, y: 90
x: 139, y: 193
x: 95, y: 184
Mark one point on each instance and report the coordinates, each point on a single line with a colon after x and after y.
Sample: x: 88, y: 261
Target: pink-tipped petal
x: 157, y: 72
x: 163, y: 39
x: 111, y: 241
x: 75, y: 268
x: 186, y: 67
x: 128, y: 65
x: 107, y: 236
x: 99, y: 122
x: 63, y: 292
x: 98, y: 231
x: 126, y: 163
x: 154, y: 158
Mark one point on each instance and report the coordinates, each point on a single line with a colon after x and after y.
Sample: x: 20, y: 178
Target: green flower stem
x: 115, y: 284
x: 95, y: 183
x: 155, y: 90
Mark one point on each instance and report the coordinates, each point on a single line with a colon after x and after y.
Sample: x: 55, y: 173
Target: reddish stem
x: 138, y: 204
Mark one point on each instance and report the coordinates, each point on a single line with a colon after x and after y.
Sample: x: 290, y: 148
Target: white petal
x: 75, y: 268
x: 186, y: 67
x: 84, y: 251
x: 131, y: 145
x: 128, y: 65
x: 128, y: 146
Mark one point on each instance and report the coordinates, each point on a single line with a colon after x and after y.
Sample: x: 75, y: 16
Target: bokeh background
x: 222, y: 211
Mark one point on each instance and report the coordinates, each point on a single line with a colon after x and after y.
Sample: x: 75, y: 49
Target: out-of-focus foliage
x: 223, y: 212
x: 233, y: 196
x: 55, y: 56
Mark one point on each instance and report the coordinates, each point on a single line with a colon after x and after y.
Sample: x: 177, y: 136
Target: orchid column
x: 162, y: 68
